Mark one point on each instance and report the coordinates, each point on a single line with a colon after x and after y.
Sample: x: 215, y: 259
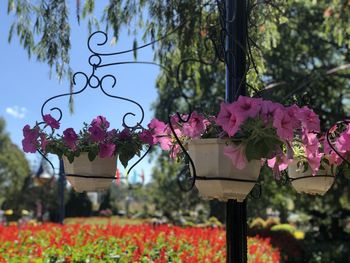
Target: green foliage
x: 128, y: 149
x: 281, y: 236
x: 13, y: 165
x: 32, y: 191
x: 213, y: 222
x: 43, y: 30
x: 284, y: 227
x: 261, y: 141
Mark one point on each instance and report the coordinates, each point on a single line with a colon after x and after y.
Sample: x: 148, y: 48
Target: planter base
x: 86, y: 176
x: 223, y: 190
x: 313, y: 185
x: 89, y: 184
x: 304, y: 182
x: 217, y: 178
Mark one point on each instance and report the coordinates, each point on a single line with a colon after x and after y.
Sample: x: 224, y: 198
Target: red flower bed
x: 114, y: 243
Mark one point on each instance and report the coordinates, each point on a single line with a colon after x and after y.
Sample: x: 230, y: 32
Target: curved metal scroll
x: 93, y: 81
x: 183, y: 175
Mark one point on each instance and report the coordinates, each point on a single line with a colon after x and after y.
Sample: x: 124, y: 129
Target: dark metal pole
x: 236, y: 212
x: 61, y: 188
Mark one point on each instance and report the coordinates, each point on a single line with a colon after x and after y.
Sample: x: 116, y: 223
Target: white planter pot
x: 81, y: 166
x: 318, y: 184
x: 211, y: 162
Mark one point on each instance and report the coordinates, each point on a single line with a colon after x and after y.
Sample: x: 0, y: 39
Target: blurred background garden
x: 299, y: 53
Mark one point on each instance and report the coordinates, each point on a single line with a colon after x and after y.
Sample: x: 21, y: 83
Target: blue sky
x: 26, y: 84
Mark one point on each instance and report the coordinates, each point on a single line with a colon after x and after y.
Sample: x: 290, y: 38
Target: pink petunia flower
x: 157, y: 126
x: 248, y: 107
x: 229, y: 119
x: 279, y: 162
x: 101, y: 122
x: 309, y: 119
x: 30, y: 140
x: 160, y: 133
x: 331, y: 155
x: 174, y: 119
x: 195, y: 126
x: 175, y: 150
x: 268, y: 109
x: 146, y: 137
x: 165, y: 143
x: 125, y: 134
x: 112, y: 134
x: 283, y: 124
x: 237, y: 155
x: 293, y: 113
x: 314, y: 160
x: 49, y: 120
x: 276, y: 166
x: 97, y: 134
x: 311, y: 142
x: 70, y: 138
x: 335, y: 159
x: 106, y: 150
x: 343, y: 142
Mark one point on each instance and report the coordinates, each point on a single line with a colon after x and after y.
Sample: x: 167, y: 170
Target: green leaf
x: 127, y: 152
x: 124, y: 160
x: 93, y: 152
x: 91, y: 156
x: 326, y: 161
x: 10, y: 6
x: 134, y: 47
x: 77, y: 153
x: 70, y: 156
x: 252, y: 152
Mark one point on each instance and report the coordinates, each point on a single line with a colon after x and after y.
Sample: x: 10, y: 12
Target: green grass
x: 103, y: 220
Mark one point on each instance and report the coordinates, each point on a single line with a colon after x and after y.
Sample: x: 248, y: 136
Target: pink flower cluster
x: 248, y: 118
x: 286, y: 121
x: 96, y: 133
x: 317, y: 148
x: 192, y: 129
x: 341, y: 144
x: 34, y: 138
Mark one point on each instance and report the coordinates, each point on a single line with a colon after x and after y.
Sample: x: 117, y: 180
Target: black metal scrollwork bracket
x: 94, y: 81
x: 186, y: 179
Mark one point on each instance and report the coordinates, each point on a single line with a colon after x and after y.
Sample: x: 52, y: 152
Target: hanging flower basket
x: 217, y: 178
x: 89, y: 156
x: 90, y: 176
x: 305, y: 182
x: 254, y: 130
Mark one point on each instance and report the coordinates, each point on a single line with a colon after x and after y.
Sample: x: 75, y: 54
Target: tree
x: 13, y: 165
